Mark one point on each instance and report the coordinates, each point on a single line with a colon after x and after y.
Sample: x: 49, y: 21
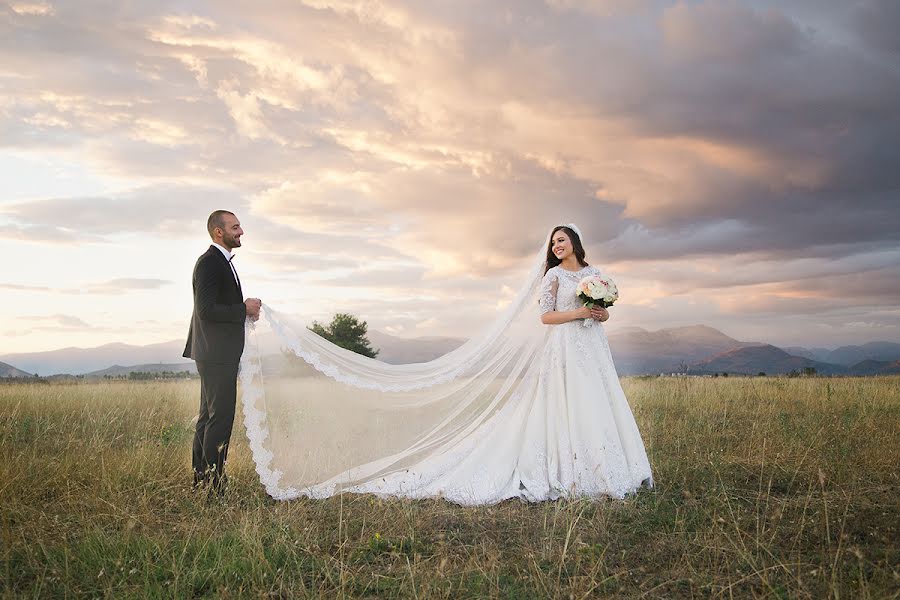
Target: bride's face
x: 562, y: 245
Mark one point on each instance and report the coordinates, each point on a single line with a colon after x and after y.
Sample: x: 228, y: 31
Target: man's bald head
x: 224, y: 229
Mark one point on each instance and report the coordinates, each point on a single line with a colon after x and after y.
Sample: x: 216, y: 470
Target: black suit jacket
x: 216, y: 334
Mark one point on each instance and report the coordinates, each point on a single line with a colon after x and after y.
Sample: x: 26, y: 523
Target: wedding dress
x: 524, y: 410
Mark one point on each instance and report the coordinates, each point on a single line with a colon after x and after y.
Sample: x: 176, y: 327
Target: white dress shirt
x: 228, y: 256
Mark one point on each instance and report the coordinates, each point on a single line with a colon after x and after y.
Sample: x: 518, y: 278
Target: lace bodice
x: 558, y: 288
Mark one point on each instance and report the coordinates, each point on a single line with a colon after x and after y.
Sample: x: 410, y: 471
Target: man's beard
x: 231, y: 242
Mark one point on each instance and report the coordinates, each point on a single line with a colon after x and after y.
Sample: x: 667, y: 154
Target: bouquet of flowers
x: 597, y: 290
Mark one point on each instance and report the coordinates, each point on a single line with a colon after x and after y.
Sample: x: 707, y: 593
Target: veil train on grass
x: 323, y: 420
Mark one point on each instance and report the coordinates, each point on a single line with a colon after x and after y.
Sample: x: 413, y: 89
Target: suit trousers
x: 218, y: 396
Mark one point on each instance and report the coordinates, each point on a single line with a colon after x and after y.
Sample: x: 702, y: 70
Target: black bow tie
x: 233, y: 270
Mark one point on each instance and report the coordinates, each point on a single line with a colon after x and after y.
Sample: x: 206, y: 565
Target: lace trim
x: 618, y: 480
x: 252, y: 387
x: 549, y: 289
x: 315, y: 360
x: 252, y: 391
x: 477, y: 349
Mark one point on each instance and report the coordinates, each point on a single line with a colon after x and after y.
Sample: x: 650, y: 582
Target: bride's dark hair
x: 577, y: 248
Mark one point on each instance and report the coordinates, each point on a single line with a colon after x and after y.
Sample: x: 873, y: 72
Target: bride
x: 523, y: 410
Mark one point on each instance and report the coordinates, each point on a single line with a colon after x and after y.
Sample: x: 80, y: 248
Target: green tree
x: 347, y: 332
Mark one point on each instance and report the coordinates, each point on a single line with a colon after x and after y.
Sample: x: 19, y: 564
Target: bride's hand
x: 600, y: 313
x: 583, y: 313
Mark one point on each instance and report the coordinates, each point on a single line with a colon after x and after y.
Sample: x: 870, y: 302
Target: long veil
x: 322, y: 420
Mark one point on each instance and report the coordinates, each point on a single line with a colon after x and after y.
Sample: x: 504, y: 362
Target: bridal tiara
x: 574, y: 228
x: 571, y: 226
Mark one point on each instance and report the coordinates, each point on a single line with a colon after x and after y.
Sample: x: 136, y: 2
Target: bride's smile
x: 561, y: 246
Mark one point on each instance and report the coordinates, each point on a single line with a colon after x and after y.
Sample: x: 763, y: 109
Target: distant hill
x: 120, y: 371
x: 95, y: 362
x: 876, y: 367
x: 851, y: 355
x: 819, y: 354
x: 399, y: 351
x: 77, y: 361
x: 761, y: 359
x: 10, y: 371
x: 637, y: 351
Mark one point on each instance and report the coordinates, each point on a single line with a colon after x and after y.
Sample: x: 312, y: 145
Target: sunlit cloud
x: 125, y: 285
x: 113, y: 287
x: 731, y: 163
x: 33, y: 8
x: 64, y: 321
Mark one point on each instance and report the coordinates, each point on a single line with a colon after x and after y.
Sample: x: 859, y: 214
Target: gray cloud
x: 24, y: 288
x: 57, y: 324
x: 167, y: 210
x: 379, y: 278
x: 59, y: 320
x: 124, y: 285
x: 401, y: 138
x: 48, y: 234
x: 875, y: 21
x: 113, y: 287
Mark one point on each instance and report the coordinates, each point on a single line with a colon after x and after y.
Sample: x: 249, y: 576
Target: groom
x: 216, y: 342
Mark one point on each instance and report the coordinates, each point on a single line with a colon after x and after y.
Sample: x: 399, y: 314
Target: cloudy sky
x: 730, y: 163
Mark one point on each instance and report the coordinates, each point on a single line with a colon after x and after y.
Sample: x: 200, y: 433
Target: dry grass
x: 766, y: 487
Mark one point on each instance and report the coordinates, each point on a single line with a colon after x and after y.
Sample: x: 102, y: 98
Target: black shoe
x: 217, y: 485
x: 200, y: 480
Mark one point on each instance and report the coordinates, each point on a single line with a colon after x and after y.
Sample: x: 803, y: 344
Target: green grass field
x: 765, y: 487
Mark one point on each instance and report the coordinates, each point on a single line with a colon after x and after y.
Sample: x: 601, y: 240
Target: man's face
x: 231, y: 234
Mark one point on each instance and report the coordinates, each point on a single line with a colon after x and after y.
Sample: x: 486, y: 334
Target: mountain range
x: 10, y: 371
x: 848, y: 355
x: 762, y: 359
x: 696, y: 349
x: 637, y: 351
x: 79, y: 361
